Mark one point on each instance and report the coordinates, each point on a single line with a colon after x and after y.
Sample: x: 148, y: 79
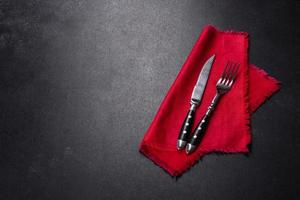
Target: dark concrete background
x: 80, y: 82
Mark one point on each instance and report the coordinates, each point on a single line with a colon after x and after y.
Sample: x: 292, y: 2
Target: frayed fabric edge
x: 188, y: 165
x: 267, y: 96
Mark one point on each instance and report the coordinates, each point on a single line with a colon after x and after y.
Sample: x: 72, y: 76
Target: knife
x: 195, y: 101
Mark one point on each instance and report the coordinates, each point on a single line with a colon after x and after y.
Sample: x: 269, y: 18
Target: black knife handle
x: 202, y: 125
x: 187, y: 124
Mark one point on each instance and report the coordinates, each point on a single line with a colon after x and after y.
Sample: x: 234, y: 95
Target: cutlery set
x: 191, y: 141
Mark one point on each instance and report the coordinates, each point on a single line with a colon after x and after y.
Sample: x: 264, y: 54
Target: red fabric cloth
x: 229, y: 128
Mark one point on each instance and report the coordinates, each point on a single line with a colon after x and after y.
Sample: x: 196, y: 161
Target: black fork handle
x: 202, y: 125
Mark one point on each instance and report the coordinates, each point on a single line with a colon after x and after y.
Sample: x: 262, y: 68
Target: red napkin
x: 229, y: 128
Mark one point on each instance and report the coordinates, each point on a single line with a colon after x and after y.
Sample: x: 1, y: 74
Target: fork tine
x: 236, y: 71
x: 221, y: 80
x: 229, y: 70
x: 232, y: 71
x: 224, y: 75
x: 224, y: 71
x: 229, y: 75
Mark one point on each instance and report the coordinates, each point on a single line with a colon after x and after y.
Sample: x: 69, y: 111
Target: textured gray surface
x: 80, y: 82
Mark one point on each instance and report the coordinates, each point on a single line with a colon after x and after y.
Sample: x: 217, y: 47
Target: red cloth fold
x: 229, y: 128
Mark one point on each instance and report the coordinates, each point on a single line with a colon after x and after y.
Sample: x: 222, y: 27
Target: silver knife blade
x: 202, y: 79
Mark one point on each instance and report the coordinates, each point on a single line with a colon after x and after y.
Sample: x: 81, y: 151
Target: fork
x: 223, y: 85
